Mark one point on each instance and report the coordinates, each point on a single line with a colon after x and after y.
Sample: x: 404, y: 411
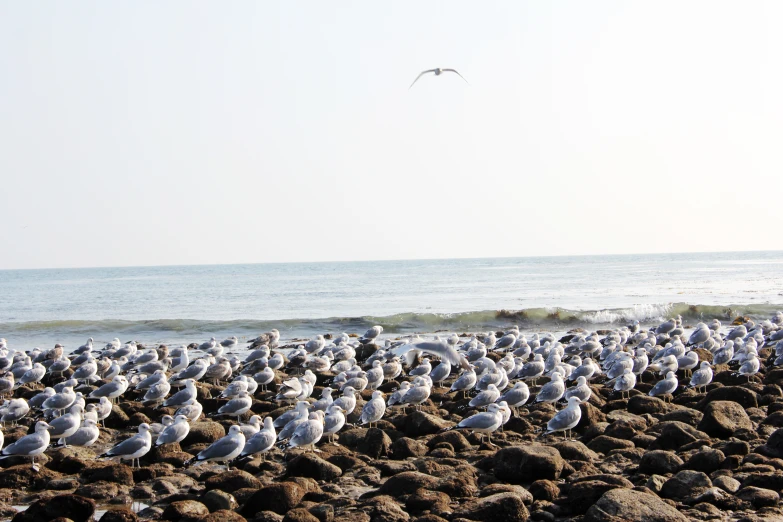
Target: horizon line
x: 175, y: 265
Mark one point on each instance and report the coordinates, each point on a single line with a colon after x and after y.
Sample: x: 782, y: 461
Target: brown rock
x: 627, y: 504
x: 521, y: 464
x: 230, y: 481
x: 405, y: 447
x: 723, y: 418
x: 544, y: 490
x: 119, y: 515
x: 76, y: 508
x: 23, y: 476
x: 223, y: 515
x: 184, y: 509
x: 759, y: 497
x: 502, y: 506
x: 684, y: 484
x: 299, y: 515
x: 406, y: 483
x: 111, y: 472
x: 204, y: 432
x: 659, y: 462
x: 280, y: 498
x: 307, y: 465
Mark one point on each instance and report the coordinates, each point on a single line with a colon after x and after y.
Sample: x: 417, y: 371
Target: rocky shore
x: 716, y: 455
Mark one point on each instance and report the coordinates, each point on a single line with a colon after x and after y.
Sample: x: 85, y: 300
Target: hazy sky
x: 145, y: 133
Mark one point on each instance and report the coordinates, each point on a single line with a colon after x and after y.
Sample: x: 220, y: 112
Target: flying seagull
x: 437, y: 71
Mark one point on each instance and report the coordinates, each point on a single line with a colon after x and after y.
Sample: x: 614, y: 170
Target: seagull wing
x: 422, y: 73
x: 439, y: 348
x: 455, y: 72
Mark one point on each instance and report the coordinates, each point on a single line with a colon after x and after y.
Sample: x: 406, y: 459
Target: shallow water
x: 190, y: 303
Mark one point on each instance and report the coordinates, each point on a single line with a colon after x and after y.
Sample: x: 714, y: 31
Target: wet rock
x: 119, y: 515
x: 502, y: 506
x: 706, y: 460
x: 280, y: 498
x: 406, y: 483
x: 621, y: 429
x: 204, y: 432
x: 117, y: 419
x: 313, y: 467
x: 655, y: 483
x: 71, y: 460
x: 299, y: 515
x: 100, y: 490
x: 23, y: 476
x: 575, y: 450
x: 521, y: 464
x: 759, y: 497
x: 590, y: 416
x: 230, y: 481
x: 684, y: 484
x: 76, y: 508
x: 405, y: 447
x: 741, y: 395
x: 455, y: 438
x: 660, y: 462
x: 605, y: 444
x: 627, y: 504
x: 686, y: 415
x: 544, y: 490
x: 111, y: 472
x: 184, y: 509
x: 723, y: 418
x: 60, y: 484
x: 726, y: 483
x: 217, y: 500
x: 424, y: 500
x: 375, y: 444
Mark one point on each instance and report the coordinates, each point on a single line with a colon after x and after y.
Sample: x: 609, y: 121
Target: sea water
x: 179, y: 304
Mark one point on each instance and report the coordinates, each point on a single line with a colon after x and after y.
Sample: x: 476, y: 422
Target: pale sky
x: 148, y: 133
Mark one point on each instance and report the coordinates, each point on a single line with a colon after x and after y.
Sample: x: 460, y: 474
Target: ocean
x: 182, y: 304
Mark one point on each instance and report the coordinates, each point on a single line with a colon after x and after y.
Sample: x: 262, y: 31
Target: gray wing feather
x: 219, y: 449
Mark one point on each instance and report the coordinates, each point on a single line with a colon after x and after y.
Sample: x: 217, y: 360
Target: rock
x: 299, y: 515
x: 375, y: 444
x: 774, y: 446
x: 406, y: 483
x: 675, y: 434
x: 111, y: 472
x: 521, y: 464
x: 100, y: 490
x: 184, y: 509
x: 117, y: 419
x: 590, y: 416
x: 655, y: 483
x: 582, y: 495
x: 280, y: 498
x: 706, y: 460
x: 419, y: 423
x: 726, y: 483
x: 743, y: 396
x: 405, y: 447
x: 455, y: 438
x: 459, y: 485
x: 685, y: 484
x: 230, y: 481
x: 575, y: 450
x: 519, y: 491
x: 687, y: 415
x: 204, y: 432
x: 544, y: 490
x: 659, y: 462
x: 323, y: 512
x: 76, y: 508
x: 605, y: 444
x: 621, y: 429
x: 119, y: 515
x: 223, y: 515
x: 384, y: 509
x: 267, y: 516
x: 72, y: 459
x: 502, y: 506
x: 424, y: 500
x: 723, y: 418
x: 627, y: 504
x: 307, y: 465
x: 217, y: 500
x: 759, y: 497
x: 23, y: 476
x: 640, y: 404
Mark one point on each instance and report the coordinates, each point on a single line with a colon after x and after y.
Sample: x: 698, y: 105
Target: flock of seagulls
x: 71, y: 411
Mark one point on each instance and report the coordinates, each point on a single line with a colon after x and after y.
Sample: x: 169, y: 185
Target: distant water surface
x: 190, y: 303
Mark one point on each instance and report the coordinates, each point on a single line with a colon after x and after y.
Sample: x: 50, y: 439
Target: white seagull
x: 437, y: 72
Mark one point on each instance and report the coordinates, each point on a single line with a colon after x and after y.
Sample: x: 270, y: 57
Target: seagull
x: 437, y: 72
